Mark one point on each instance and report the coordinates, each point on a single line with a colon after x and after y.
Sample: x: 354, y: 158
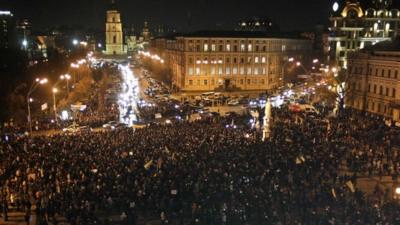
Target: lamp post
x: 75, y: 66
x: 33, y: 87
x: 55, y: 90
x: 66, y: 77
x: 289, y: 60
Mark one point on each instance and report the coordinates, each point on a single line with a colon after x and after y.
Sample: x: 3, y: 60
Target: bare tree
x: 337, y: 88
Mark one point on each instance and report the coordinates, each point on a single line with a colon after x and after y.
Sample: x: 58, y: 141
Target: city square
x: 175, y: 117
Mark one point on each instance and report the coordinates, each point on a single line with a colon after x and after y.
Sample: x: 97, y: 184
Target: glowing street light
x: 43, y: 81
x: 33, y: 87
x: 315, y: 61
x: 298, y: 63
x: 66, y: 77
x: 55, y: 90
x: 25, y: 43
x: 291, y: 59
x: 397, y: 191
x: 335, y: 7
x: 75, y: 42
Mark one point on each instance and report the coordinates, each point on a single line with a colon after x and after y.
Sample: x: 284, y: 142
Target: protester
x: 208, y: 172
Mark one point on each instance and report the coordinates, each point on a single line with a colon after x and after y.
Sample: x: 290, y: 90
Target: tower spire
x: 113, y: 5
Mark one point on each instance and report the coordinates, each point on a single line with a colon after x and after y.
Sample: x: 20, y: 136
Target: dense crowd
x: 206, y: 172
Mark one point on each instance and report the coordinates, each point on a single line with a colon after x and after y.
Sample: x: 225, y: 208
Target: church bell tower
x: 114, y: 34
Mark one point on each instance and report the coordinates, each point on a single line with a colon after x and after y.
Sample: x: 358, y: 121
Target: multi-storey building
x: 355, y: 25
x: 114, y: 34
x: 7, y: 30
x: 374, y: 80
x: 207, y: 61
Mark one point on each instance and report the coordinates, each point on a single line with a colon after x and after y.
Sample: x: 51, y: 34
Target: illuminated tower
x: 146, y: 32
x: 114, y: 34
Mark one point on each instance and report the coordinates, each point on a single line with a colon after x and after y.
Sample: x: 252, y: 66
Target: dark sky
x: 289, y: 14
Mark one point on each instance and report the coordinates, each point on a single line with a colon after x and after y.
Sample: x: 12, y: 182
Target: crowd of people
x: 206, y: 172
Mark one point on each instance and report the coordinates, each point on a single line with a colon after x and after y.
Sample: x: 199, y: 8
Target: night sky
x: 201, y: 14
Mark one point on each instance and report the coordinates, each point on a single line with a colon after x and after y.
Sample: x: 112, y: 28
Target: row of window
x: 382, y: 90
x: 379, y: 72
x: 220, y: 60
x: 228, y: 71
x: 379, y: 108
x: 238, y: 48
x: 241, y: 82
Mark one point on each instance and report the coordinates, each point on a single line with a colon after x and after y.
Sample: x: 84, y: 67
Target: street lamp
x: 66, y: 77
x: 55, y: 90
x: 33, y: 87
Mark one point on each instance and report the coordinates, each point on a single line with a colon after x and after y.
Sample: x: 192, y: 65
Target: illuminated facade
x: 374, y: 84
x: 114, y: 34
x: 7, y: 30
x: 236, y: 61
x: 355, y: 25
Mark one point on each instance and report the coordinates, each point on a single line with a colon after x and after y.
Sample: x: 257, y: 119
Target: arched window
x: 370, y: 13
x: 114, y: 39
x: 395, y: 13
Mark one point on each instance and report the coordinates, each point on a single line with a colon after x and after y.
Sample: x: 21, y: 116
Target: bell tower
x: 114, y: 34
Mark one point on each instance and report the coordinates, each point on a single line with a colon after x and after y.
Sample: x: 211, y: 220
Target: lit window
x: 256, y: 59
x: 249, y: 48
x: 206, y: 47
x: 213, y: 47
x: 190, y: 71
x: 242, y: 47
x: 263, y: 60
x: 212, y: 70
x: 249, y: 59
x: 264, y: 71
x: 235, y: 70
x: 241, y: 70
x: 248, y: 70
x: 256, y: 71
x: 220, y: 70
x: 197, y: 70
x: 228, y: 70
x: 228, y: 47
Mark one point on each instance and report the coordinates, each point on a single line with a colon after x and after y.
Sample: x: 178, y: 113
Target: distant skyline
x: 182, y: 14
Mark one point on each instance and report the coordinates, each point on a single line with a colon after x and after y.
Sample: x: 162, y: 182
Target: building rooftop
x: 236, y: 34
x: 385, y: 46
